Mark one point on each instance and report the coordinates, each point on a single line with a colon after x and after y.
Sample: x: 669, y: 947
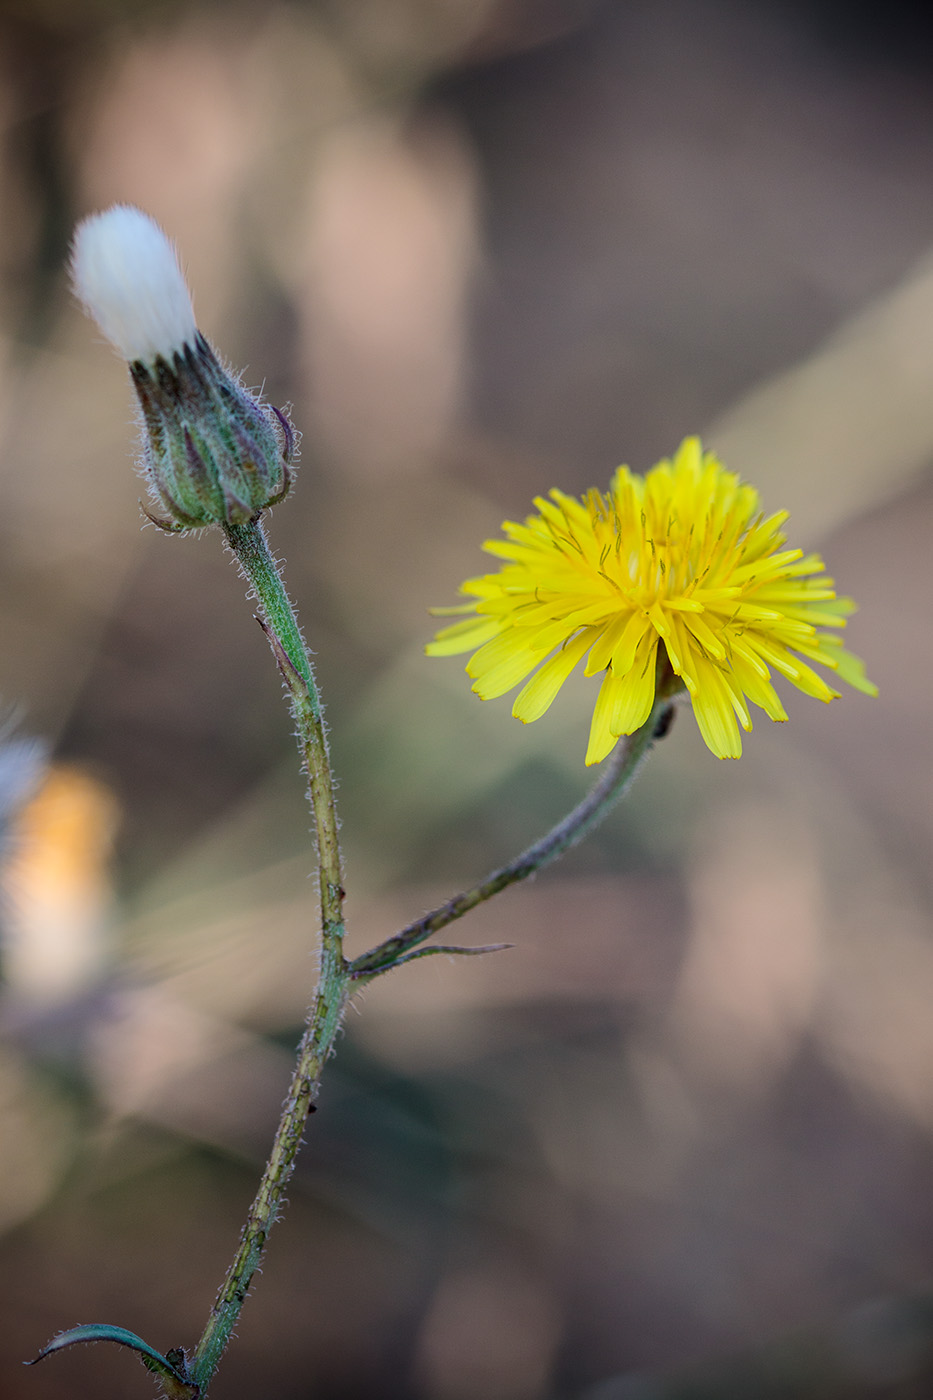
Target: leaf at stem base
x: 172, y: 1380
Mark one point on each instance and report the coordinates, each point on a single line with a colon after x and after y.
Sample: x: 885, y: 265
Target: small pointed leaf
x: 171, y: 1379
x: 367, y: 973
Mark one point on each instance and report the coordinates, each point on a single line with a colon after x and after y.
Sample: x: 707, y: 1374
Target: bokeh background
x: 679, y: 1140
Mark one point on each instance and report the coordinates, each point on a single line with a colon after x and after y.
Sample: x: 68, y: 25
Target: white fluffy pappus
x: 125, y: 271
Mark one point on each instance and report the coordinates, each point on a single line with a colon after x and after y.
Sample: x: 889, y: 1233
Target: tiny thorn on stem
x: 289, y: 673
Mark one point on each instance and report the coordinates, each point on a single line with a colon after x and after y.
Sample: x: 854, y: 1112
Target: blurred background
x: 678, y: 1141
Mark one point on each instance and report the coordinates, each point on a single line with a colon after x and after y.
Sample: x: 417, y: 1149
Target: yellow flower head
x: 682, y: 556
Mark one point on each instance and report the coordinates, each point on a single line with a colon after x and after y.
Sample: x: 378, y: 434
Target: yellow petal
x: 811, y: 684
x: 623, y: 655
x: 705, y: 635
x: 712, y: 705
x: 536, y: 697
x: 500, y: 664
x: 851, y: 668
x: 602, y: 740
x: 635, y: 696
x: 758, y: 687
x: 602, y: 649
x: 463, y: 636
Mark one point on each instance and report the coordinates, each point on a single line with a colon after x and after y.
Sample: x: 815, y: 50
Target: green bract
x: 212, y: 453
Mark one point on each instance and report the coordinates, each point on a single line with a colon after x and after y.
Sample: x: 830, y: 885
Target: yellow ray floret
x: 674, y: 572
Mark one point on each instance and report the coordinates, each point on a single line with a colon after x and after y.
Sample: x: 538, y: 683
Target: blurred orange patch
x: 58, y: 886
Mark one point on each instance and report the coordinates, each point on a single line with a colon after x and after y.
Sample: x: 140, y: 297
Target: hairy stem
x: 277, y: 617
x: 248, y: 543
x: 614, y: 781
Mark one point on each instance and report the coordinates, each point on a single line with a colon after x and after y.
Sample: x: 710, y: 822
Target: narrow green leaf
x: 360, y: 972
x: 173, y: 1382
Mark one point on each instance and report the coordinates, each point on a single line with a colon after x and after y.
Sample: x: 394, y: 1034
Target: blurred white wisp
x: 22, y: 765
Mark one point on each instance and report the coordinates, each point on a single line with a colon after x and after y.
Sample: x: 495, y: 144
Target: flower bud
x: 213, y: 454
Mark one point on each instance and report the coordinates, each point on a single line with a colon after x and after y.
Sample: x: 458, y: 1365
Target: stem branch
x: 612, y: 784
